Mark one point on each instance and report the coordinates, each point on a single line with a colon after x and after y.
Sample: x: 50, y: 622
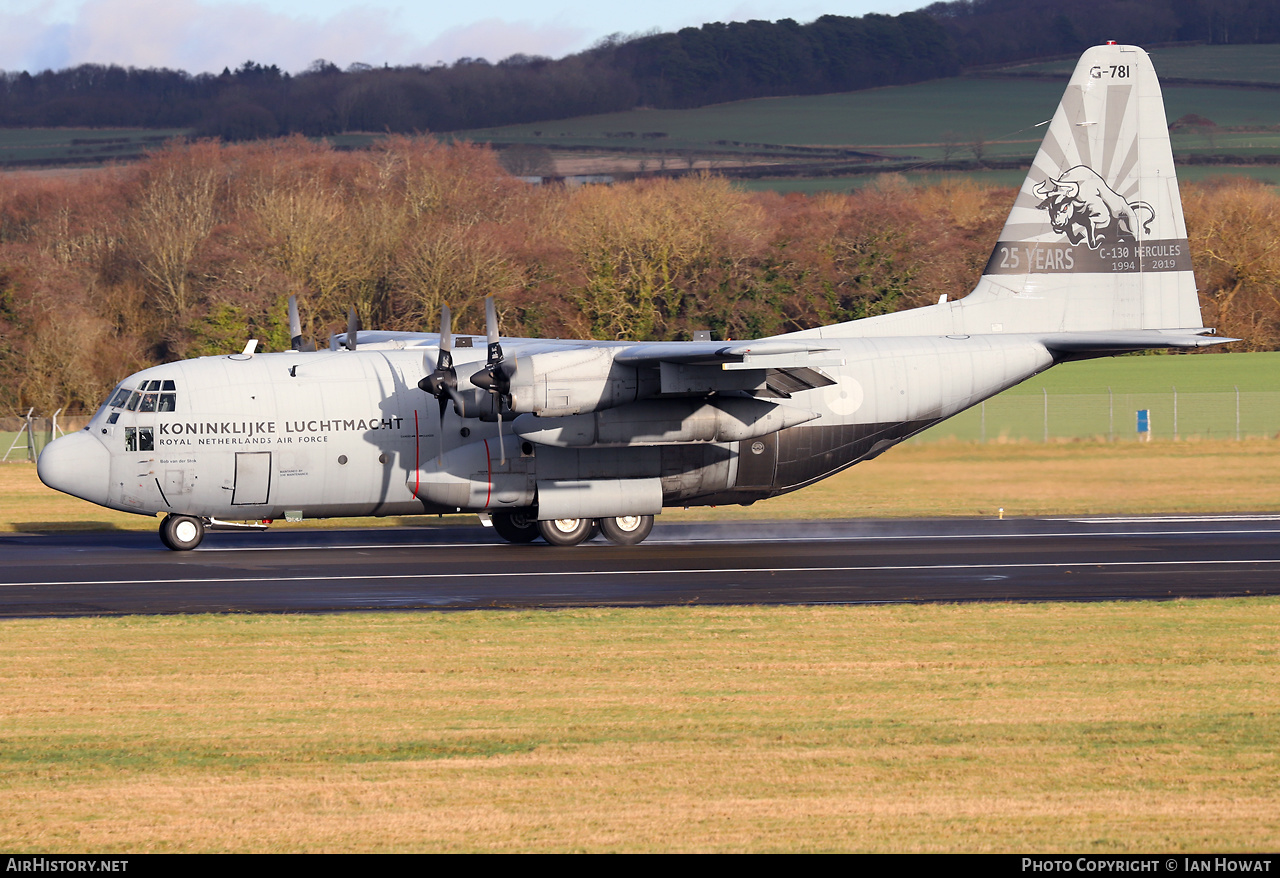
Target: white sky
x: 207, y: 35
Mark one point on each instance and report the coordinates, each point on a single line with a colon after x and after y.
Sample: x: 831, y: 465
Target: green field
x: 1230, y: 63
x: 909, y: 120
x: 1269, y: 174
x: 20, y: 147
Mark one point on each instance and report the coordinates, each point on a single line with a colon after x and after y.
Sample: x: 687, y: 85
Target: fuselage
x: 349, y: 433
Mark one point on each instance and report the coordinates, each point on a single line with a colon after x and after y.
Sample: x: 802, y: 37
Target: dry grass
x: 1092, y: 728
x: 936, y: 479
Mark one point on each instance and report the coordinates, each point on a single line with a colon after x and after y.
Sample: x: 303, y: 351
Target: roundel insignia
x: 844, y: 397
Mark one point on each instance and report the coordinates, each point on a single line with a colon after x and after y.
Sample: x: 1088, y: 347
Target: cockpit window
x: 153, y: 395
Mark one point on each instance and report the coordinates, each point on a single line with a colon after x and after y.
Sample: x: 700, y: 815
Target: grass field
x: 20, y: 146
x: 1099, y: 728
x: 1230, y: 63
x: 909, y: 120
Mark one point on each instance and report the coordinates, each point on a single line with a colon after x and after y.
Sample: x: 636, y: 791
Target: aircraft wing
x: 711, y: 353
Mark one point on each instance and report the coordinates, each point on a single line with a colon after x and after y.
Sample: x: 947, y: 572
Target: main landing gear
x: 522, y: 527
x: 182, y: 533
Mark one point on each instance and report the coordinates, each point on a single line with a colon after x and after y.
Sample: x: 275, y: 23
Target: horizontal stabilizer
x: 1099, y: 344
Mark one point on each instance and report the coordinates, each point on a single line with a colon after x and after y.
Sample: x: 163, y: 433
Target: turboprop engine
x: 559, y: 383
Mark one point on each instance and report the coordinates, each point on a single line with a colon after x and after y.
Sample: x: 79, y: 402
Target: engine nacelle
x: 560, y: 383
x: 663, y: 422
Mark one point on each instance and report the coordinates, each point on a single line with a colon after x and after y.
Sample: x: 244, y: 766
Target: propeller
x: 296, y: 341
x: 495, y: 377
x: 442, y: 382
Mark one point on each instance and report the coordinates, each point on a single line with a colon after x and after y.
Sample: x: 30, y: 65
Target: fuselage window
x: 146, y: 439
x: 130, y: 438
x: 115, y: 416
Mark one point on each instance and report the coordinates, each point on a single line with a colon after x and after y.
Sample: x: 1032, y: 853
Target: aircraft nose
x: 76, y: 464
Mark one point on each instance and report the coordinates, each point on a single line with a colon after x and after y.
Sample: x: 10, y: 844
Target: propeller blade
x: 295, y: 325
x: 491, y: 331
x: 446, y: 331
x: 502, y: 447
x: 353, y: 329
x: 490, y: 319
x: 296, y: 341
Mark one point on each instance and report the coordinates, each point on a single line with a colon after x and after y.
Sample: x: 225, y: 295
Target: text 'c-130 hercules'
x: 552, y: 438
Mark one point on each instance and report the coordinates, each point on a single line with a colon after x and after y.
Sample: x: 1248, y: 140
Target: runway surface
x: 861, y: 561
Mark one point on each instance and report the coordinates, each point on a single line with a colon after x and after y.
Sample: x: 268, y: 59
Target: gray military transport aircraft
x: 558, y: 438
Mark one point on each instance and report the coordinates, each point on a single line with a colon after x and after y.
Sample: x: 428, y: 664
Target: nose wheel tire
x: 567, y: 531
x: 515, y: 527
x: 182, y: 533
x: 627, y: 530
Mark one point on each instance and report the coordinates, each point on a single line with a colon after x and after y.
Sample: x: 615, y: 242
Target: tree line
x: 196, y: 249
x: 689, y: 68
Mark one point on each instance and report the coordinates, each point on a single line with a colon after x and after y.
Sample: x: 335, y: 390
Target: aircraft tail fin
x: 1095, y: 241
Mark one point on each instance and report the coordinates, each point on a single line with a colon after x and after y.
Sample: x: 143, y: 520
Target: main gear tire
x: 518, y: 526
x: 567, y: 531
x: 627, y: 530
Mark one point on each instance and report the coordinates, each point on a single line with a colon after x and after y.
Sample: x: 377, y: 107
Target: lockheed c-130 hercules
x: 555, y: 438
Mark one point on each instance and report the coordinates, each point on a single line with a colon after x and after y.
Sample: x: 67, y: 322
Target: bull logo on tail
x: 1084, y: 208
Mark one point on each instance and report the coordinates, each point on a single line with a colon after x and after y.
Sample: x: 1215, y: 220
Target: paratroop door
x: 253, y: 478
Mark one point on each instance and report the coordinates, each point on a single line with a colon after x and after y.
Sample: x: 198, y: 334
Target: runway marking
x: 800, y: 539
x: 520, y: 574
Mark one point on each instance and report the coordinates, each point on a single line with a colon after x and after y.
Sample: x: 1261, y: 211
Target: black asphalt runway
x: 861, y: 561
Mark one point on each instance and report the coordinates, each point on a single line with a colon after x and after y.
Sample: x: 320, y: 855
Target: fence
x: 21, y: 438
x: 1173, y: 414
